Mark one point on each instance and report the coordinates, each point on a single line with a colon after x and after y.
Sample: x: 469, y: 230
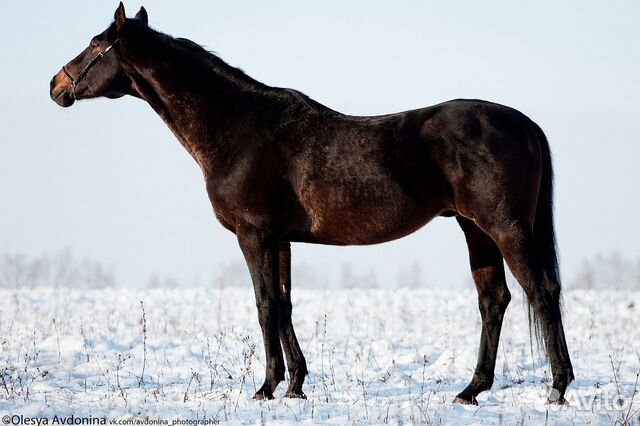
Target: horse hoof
x: 465, y: 400
x: 298, y: 395
x: 263, y: 396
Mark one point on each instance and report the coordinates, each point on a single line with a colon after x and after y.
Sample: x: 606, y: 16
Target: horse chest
x: 245, y: 194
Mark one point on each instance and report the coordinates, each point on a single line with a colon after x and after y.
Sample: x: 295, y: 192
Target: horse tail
x: 545, y: 237
x: 543, y: 227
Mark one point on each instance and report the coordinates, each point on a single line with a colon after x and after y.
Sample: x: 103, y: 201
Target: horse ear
x: 142, y: 16
x: 120, y: 17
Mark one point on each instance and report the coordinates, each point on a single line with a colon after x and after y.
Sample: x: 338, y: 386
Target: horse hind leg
x: 493, y: 298
x: 542, y: 288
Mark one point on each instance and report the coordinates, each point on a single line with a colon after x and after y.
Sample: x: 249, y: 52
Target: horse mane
x: 230, y: 73
x: 210, y: 59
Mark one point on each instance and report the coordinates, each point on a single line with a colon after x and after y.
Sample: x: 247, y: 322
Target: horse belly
x: 363, y: 213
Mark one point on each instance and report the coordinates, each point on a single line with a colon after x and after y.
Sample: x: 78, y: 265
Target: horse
x: 280, y: 167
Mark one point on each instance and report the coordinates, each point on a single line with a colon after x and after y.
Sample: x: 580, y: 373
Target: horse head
x: 97, y: 71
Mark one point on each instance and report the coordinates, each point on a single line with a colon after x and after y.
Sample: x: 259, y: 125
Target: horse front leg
x: 295, y: 359
x: 261, y: 254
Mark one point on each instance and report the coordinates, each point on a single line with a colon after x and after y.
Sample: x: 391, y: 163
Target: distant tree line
x: 64, y: 270
x: 608, y: 271
x: 61, y: 270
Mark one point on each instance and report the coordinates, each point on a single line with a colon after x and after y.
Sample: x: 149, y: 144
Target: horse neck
x: 204, y: 102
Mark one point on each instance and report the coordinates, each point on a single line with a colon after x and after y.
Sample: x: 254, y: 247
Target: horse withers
x: 280, y: 168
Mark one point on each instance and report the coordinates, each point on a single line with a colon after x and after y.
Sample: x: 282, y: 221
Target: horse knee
x: 269, y: 312
x: 493, y: 306
x: 504, y: 299
x: 285, y: 308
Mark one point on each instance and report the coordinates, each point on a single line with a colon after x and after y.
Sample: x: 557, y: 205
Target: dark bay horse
x: 280, y: 167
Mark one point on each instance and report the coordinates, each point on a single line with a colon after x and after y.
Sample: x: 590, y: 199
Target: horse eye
x: 94, y: 43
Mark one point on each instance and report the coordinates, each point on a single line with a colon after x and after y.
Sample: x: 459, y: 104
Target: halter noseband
x: 74, y: 81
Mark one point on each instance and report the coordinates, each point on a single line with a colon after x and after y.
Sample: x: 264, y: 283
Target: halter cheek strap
x: 83, y: 72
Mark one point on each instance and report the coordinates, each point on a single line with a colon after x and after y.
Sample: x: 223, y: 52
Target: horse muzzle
x: 60, y: 90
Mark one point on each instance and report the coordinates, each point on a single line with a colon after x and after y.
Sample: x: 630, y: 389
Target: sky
x: 107, y: 180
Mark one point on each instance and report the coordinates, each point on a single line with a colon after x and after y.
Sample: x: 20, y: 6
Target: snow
x: 374, y: 355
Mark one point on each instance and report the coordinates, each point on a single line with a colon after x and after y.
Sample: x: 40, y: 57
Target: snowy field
x: 375, y: 356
